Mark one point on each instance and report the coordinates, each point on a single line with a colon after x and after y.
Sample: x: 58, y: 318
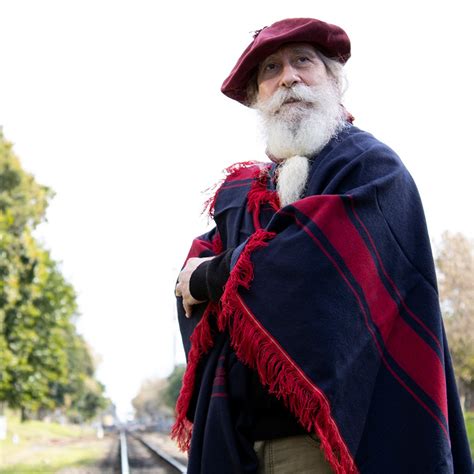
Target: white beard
x: 291, y: 179
x: 304, y: 127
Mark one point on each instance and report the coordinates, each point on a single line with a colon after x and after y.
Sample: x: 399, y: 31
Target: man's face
x: 295, y: 63
x: 298, y: 102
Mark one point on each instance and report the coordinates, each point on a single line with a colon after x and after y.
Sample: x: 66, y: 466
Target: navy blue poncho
x: 333, y: 301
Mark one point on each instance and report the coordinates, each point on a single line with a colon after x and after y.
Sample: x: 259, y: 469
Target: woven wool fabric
x: 333, y: 302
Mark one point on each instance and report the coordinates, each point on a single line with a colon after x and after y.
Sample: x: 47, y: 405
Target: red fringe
x: 231, y: 172
x: 234, y: 170
x: 201, y: 339
x: 259, y: 194
x: 255, y: 347
x: 210, y: 203
x: 241, y: 275
x: 201, y: 343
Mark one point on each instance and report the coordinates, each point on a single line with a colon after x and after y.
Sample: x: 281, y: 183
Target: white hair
x: 336, y: 72
x: 298, y: 131
x: 304, y: 127
x: 292, y: 175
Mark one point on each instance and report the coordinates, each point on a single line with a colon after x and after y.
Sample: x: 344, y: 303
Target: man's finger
x: 188, y: 309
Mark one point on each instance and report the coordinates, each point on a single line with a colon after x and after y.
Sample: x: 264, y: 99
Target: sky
x: 116, y: 105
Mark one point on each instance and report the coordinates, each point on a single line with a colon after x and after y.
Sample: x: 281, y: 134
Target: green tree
x: 175, y: 380
x: 22, y: 206
x: 157, y: 397
x: 44, y: 363
x: 82, y: 395
x: 36, y: 326
x: 149, y: 402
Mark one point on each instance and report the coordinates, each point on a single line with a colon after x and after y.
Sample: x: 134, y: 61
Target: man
x: 310, y: 314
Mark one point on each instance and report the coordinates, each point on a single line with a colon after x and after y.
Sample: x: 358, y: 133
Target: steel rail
x: 163, y: 455
x: 124, y: 467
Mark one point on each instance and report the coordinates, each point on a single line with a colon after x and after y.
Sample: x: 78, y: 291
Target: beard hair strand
x: 291, y: 179
x: 301, y: 128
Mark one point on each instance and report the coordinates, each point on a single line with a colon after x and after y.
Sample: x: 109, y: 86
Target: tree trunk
x: 24, y: 415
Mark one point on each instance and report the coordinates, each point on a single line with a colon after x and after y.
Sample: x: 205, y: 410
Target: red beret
x: 329, y: 39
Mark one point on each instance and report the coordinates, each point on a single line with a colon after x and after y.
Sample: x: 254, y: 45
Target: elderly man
x: 309, y: 314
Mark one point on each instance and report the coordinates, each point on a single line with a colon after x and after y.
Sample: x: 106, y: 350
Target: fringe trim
x: 201, y: 343
x: 255, y: 347
x: 241, y: 275
x: 259, y: 194
x: 231, y: 171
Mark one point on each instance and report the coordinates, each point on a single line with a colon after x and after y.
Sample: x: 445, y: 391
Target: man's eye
x: 270, y: 67
x: 303, y: 59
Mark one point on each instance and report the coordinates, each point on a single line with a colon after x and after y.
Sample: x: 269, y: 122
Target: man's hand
x: 182, y: 287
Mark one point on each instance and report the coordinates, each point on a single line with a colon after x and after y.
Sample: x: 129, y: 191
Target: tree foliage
x: 175, y: 380
x: 43, y: 360
x: 455, y: 264
x: 149, y: 402
x: 158, y: 396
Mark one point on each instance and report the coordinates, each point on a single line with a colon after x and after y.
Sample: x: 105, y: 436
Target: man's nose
x: 289, y: 76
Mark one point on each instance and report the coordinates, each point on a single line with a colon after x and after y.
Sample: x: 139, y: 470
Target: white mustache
x: 297, y: 93
x: 302, y: 128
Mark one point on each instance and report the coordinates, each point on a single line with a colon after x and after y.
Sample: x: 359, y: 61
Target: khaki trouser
x: 292, y: 455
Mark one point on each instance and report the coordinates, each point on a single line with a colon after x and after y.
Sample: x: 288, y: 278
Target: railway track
x: 139, y: 457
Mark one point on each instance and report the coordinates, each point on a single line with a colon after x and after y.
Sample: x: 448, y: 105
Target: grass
x: 53, y: 459
x: 44, y: 447
x: 470, y: 430
x: 38, y: 430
